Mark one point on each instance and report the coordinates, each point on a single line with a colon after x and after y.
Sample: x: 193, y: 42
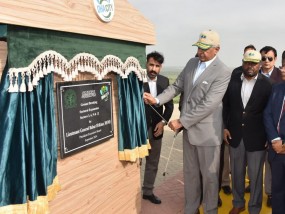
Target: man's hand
x: 227, y: 136
x: 149, y: 99
x: 277, y: 147
x: 175, y: 125
x: 158, y: 130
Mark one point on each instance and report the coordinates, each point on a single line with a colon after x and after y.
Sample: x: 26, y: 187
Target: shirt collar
x: 208, y: 62
x: 265, y: 74
x: 150, y: 80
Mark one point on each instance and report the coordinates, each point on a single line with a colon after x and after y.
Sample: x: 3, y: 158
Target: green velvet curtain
x: 28, y: 148
x: 133, y: 142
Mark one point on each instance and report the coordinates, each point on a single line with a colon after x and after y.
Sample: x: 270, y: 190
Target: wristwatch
x: 164, y: 122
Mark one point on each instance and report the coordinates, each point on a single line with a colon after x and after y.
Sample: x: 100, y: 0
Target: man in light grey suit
x: 203, y: 81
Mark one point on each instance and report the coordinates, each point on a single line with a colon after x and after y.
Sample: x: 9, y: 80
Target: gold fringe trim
x: 39, y: 206
x: 133, y: 154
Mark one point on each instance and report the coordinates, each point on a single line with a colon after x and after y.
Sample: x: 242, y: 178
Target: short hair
x: 249, y: 47
x: 283, y: 55
x: 266, y: 49
x: 156, y: 56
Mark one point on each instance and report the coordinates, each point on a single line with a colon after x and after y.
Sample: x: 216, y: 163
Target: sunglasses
x: 270, y: 59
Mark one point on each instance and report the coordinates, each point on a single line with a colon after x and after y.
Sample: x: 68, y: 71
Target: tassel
x: 63, y: 74
x: 30, y: 86
x: 66, y: 78
x: 45, y: 71
x: 35, y: 81
x: 23, y: 85
x: 37, y: 76
x: 40, y: 74
x: 48, y: 69
x: 73, y: 75
x: 80, y: 68
x: 16, y: 87
x: 58, y: 70
x: 51, y: 68
x: 10, y: 89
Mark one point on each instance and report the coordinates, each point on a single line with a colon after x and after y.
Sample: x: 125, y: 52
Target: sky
x: 239, y: 23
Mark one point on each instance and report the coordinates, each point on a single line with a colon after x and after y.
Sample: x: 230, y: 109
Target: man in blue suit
x: 274, y: 121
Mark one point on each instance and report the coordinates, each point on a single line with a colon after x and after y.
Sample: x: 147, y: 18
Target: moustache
x: 153, y: 72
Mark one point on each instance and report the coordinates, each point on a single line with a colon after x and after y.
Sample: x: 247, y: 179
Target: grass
x: 172, y: 75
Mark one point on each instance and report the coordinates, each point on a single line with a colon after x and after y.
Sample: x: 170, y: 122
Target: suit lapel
x: 281, y: 100
x: 159, y: 88
x: 146, y: 87
x: 239, y: 85
x: 210, y: 70
x: 192, y: 73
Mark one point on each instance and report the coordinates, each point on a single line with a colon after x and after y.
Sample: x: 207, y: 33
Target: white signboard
x: 105, y: 9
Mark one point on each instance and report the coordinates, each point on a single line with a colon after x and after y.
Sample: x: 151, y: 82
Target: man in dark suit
x: 155, y: 123
x: 243, y: 105
x: 268, y: 69
x: 274, y: 121
x: 239, y: 71
x: 269, y: 57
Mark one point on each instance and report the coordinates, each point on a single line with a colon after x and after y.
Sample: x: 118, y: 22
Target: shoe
x: 247, y: 189
x: 236, y: 210
x: 220, y: 203
x: 268, y: 202
x: 152, y: 198
x: 227, y: 190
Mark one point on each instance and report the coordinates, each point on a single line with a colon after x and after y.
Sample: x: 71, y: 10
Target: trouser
x: 204, y: 160
x: 255, y: 161
x: 278, y: 187
x: 151, y: 164
x: 267, y: 176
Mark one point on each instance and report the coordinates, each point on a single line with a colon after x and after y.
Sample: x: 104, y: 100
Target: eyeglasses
x: 270, y: 59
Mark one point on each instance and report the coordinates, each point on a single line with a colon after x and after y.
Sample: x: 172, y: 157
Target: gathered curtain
x: 133, y: 143
x: 28, y: 148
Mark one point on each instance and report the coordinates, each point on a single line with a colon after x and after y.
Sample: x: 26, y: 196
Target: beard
x: 152, y: 74
x: 250, y: 73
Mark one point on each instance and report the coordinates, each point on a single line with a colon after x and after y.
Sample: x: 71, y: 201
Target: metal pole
x: 174, y: 137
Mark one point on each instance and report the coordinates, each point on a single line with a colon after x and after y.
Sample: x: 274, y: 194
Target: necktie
x: 201, y: 67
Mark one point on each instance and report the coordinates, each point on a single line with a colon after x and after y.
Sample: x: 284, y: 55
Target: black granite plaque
x: 85, y: 114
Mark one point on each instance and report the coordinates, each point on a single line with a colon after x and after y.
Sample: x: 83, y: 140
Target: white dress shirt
x: 152, y: 86
x: 201, y: 68
x: 246, y: 89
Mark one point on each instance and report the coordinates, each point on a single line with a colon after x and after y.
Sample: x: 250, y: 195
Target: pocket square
x: 205, y: 82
